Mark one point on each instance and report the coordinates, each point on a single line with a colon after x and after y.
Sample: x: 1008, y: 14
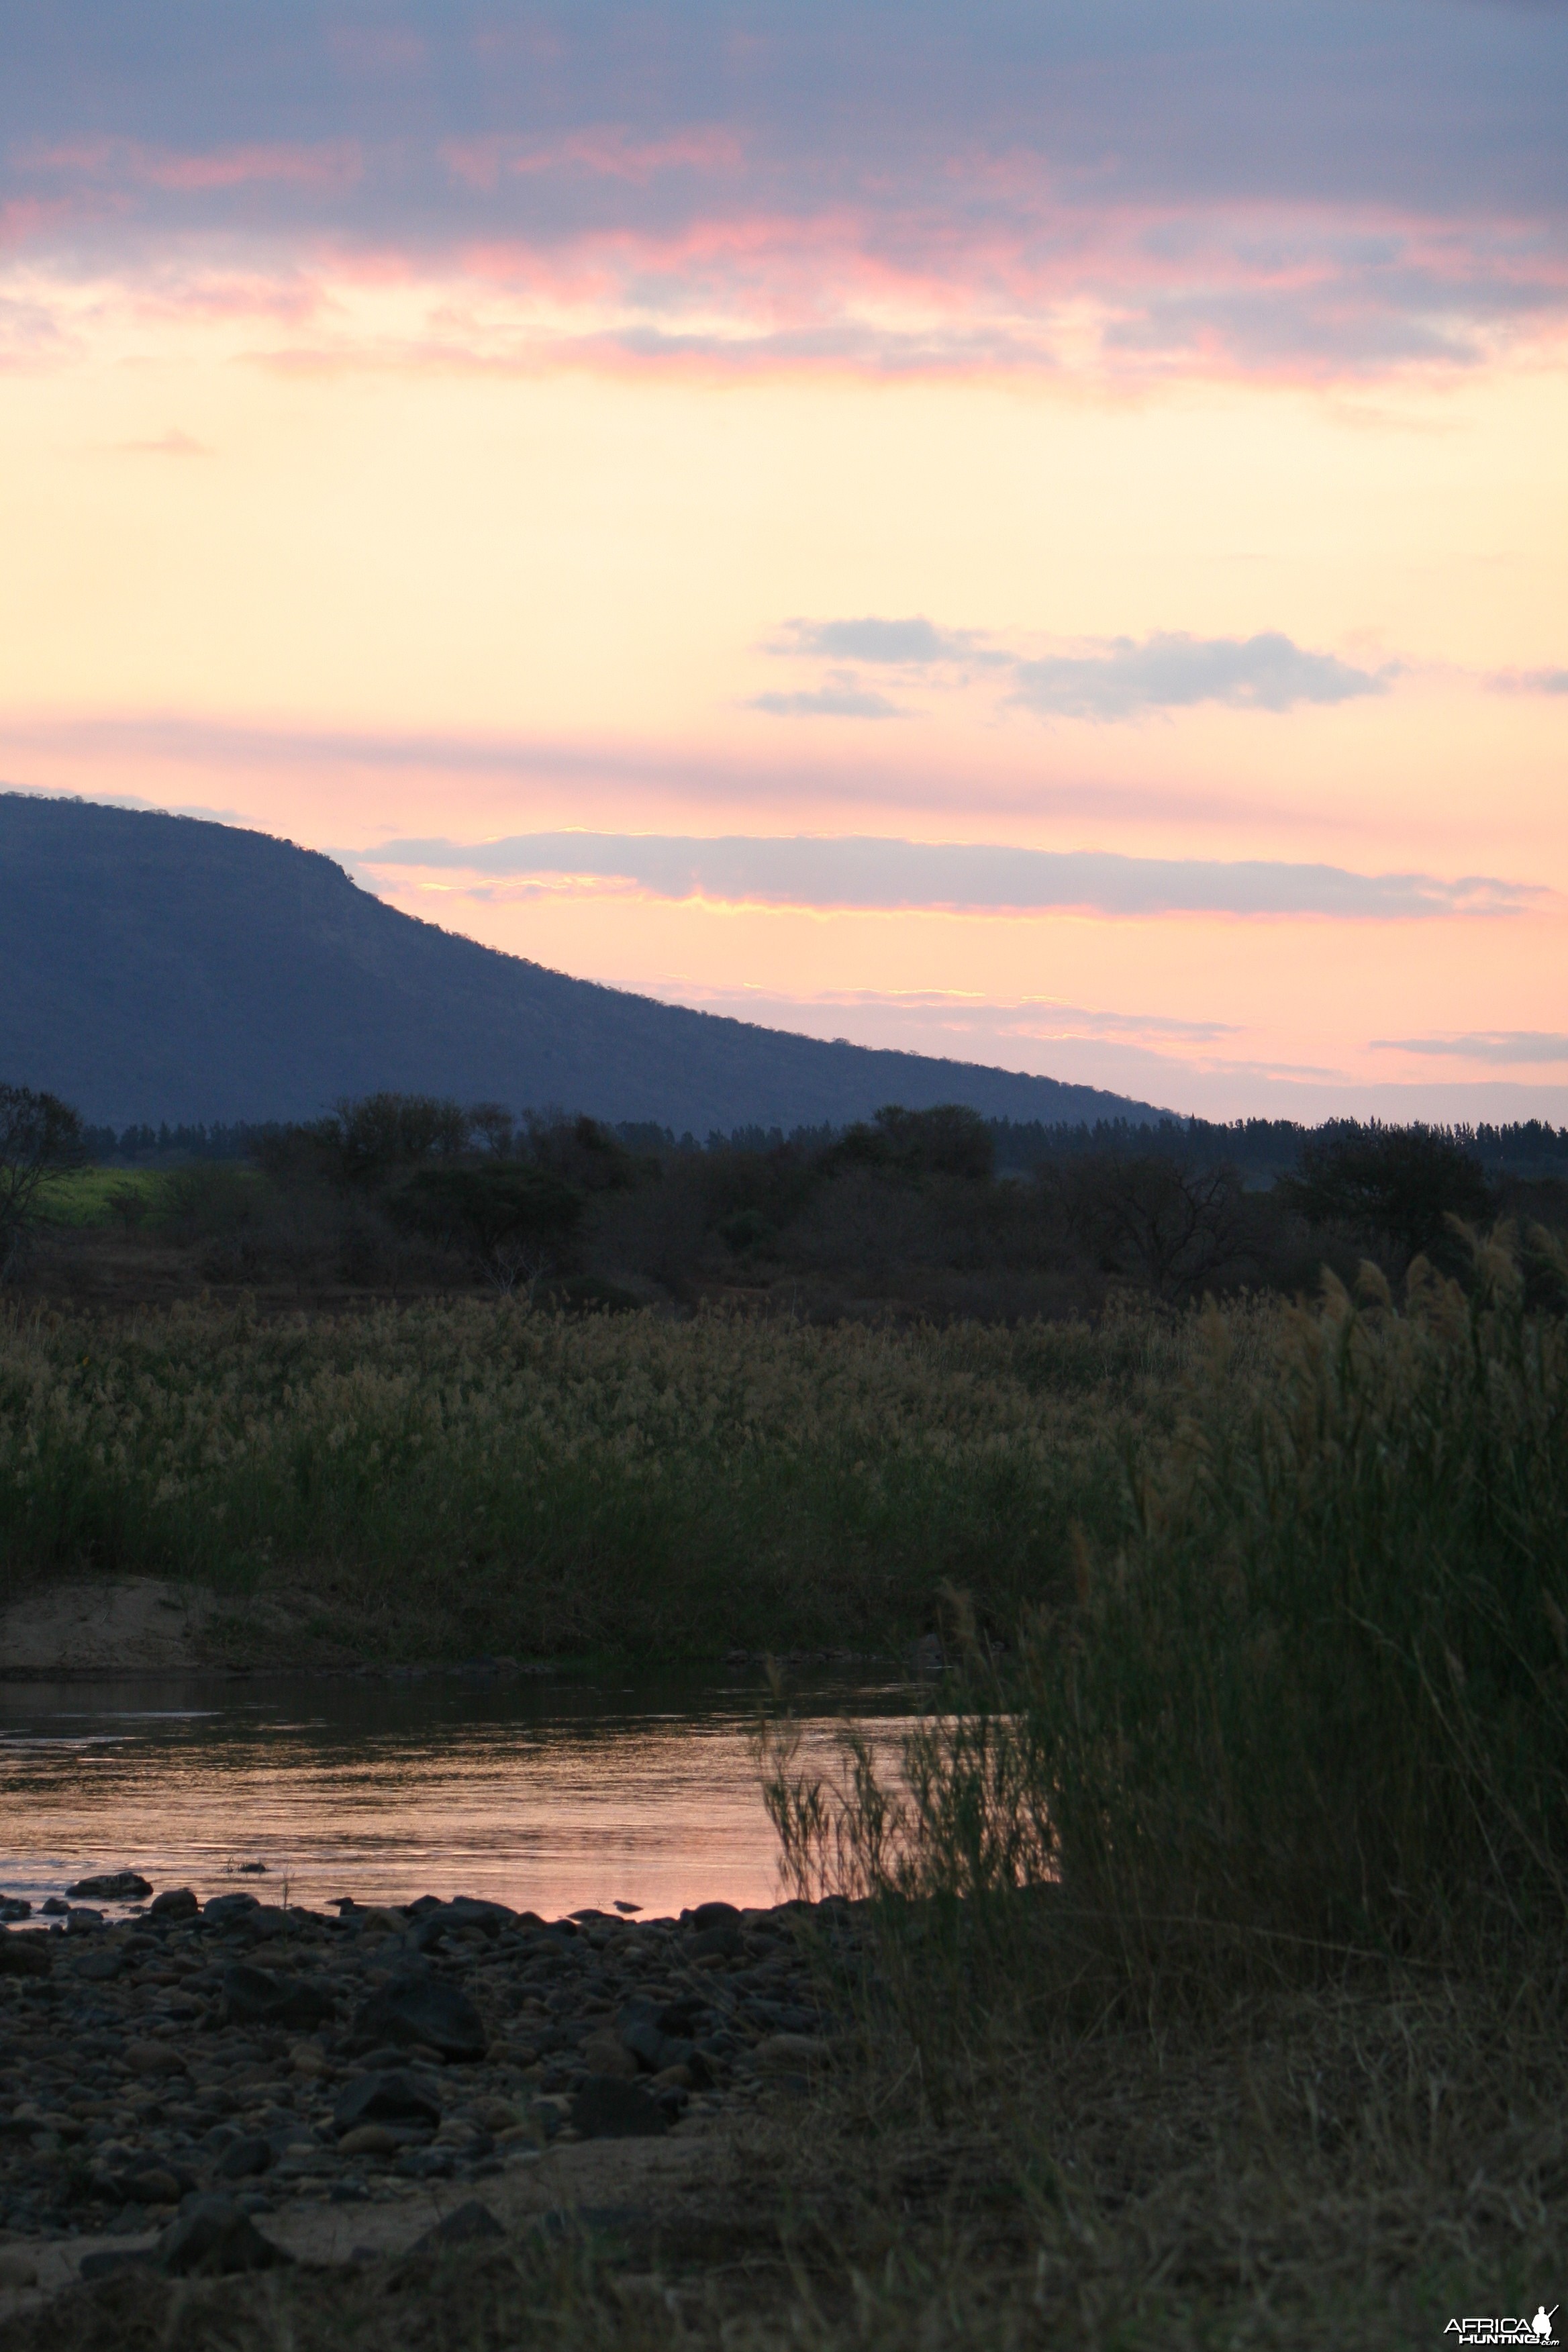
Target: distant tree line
x: 128, y: 1146
x: 939, y: 1210
x: 1258, y: 1147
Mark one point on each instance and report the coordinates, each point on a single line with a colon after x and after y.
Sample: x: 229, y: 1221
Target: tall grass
x: 479, y: 1476
x: 1315, y: 1704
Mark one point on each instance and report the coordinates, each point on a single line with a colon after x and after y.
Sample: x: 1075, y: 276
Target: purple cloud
x: 1114, y: 678
x: 1507, y: 1047
x: 828, y: 872
x: 1318, y: 186
x: 1173, y: 671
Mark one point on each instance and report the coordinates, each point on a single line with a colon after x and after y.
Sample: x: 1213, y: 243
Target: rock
x: 109, y: 2259
x: 17, y: 2269
x: 721, y: 1942
x: 379, y: 1922
x: 174, y: 1903
x: 714, y: 1915
x: 497, y: 2115
x: 370, y: 2139
x: 389, y: 2098
x: 99, y: 1968
x: 415, y: 2007
x: 214, y: 2239
x: 222, y: 1910
x: 644, y: 2030
x: 253, y: 1996
x: 465, y: 2225
x: 266, y: 1920
x: 15, y: 1906
x: 607, y: 2108
x: 55, y: 1908
x: 463, y: 1911
x: 111, y: 1886
x: 24, y: 1956
x: 607, y: 2054
x: 151, y: 2058
x: 244, y: 2159
x: 81, y: 1921
x: 152, y: 2186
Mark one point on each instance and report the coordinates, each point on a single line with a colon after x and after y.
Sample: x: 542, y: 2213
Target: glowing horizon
x: 1089, y: 444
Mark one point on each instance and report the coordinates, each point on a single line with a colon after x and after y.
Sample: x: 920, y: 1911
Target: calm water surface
x: 546, y: 1795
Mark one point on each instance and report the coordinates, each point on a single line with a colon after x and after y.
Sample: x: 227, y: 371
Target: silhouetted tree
x: 38, y: 1135
x: 1392, y: 1183
x: 1171, y: 1227
x: 507, y: 1215
x: 948, y: 1140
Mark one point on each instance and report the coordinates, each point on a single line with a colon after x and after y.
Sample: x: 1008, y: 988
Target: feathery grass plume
x: 478, y: 1475
x: 1315, y: 1704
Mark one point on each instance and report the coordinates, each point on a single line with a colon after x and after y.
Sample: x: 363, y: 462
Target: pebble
x: 241, y: 2053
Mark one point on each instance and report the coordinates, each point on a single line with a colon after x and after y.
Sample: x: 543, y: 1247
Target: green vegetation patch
x: 127, y: 1197
x: 482, y: 1475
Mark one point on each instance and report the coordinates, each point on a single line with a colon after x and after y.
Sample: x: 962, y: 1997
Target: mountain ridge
x: 155, y: 966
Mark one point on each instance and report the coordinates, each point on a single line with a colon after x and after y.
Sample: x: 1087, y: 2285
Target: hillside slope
x: 161, y: 967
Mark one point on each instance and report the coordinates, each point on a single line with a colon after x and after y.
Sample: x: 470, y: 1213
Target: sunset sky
x: 1029, y: 532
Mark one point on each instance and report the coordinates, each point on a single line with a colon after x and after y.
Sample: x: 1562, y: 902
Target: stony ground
x: 275, y: 2058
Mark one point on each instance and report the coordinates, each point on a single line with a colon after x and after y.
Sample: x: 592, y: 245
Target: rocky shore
x: 193, y: 2068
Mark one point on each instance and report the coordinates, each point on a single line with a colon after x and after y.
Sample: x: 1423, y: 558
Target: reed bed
x: 1311, y: 1710
x: 445, y: 1479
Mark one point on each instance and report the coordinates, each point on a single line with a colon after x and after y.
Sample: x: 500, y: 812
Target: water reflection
x: 546, y: 1796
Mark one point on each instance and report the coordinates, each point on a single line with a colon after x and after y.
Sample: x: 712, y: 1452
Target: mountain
x: 158, y: 967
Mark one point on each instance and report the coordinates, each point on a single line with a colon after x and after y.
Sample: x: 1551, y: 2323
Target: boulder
x: 111, y: 1886
x: 415, y: 2007
x: 174, y: 1903
x: 604, y: 2052
x: 222, y: 1910
x: 708, y: 1916
x: 432, y: 1921
x: 214, y: 2238
x: 254, y: 1997
x: 244, y: 2159
x: 99, y: 1968
x: 465, y: 2225
x: 153, y: 2185
x: 649, y: 2033
x: 24, y: 1956
x: 384, y: 2098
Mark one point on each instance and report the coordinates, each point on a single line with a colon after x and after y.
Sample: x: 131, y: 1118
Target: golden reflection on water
x: 549, y: 1801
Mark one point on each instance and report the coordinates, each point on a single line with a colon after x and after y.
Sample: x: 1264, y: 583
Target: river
x: 550, y: 1794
